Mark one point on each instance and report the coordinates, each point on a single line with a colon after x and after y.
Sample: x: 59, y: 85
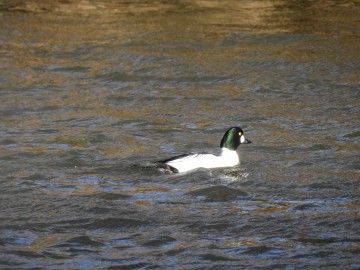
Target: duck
x: 228, y: 157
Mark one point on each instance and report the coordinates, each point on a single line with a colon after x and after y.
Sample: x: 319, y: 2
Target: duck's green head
x: 233, y: 137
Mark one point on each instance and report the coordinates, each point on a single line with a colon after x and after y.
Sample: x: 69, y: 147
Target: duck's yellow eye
x: 240, y: 133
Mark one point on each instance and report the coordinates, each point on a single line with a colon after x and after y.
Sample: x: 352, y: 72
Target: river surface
x: 92, y: 92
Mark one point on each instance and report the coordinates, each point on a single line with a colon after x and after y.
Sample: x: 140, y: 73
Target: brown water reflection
x: 93, y: 91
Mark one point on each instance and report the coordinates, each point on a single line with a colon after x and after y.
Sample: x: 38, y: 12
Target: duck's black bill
x: 247, y: 141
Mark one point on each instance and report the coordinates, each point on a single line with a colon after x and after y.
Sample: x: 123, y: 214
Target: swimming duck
x: 228, y: 157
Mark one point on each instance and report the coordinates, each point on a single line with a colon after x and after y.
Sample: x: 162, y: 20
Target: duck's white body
x: 227, y: 158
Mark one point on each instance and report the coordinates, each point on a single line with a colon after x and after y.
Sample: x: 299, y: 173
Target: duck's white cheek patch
x: 242, y: 139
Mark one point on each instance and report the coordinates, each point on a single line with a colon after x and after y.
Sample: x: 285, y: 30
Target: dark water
x: 93, y: 91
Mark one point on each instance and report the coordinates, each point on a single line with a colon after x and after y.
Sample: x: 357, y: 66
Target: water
x: 93, y: 92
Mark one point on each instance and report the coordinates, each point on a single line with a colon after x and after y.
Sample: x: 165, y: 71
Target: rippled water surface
x: 92, y: 92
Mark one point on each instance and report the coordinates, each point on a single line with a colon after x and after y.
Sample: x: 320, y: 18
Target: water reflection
x: 93, y: 92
